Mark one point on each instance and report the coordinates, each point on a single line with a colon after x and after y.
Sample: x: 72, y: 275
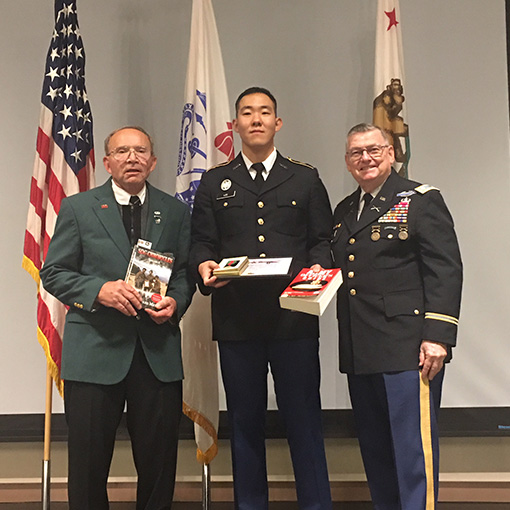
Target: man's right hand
x: 205, y: 270
x: 121, y: 296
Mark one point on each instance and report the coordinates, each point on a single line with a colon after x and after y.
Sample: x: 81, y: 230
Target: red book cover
x: 311, y: 292
x: 309, y: 283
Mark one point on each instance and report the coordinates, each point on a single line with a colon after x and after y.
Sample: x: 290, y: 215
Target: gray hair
x: 365, y: 128
x: 138, y: 128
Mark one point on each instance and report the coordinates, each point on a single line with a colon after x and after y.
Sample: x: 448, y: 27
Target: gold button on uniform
x: 260, y: 204
x: 262, y: 255
x: 262, y: 239
x: 352, y: 292
x: 293, y: 202
x: 416, y: 312
x: 225, y: 204
x: 350, y: 274
x: 351, y: 257
x: 352, y: 240
x: 260, y: 221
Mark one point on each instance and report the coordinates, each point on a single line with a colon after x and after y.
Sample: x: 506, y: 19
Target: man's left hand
x: 165, y: 310
x: 432, y: 355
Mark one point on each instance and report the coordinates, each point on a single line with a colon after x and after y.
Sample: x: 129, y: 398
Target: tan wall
x: 458, y: 455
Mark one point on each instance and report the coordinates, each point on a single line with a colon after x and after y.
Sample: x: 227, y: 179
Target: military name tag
x: 223, y: 196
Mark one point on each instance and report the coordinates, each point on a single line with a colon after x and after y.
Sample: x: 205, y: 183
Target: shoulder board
x: 423, y: 188
x: 219, y: 165
x: 301, y: 163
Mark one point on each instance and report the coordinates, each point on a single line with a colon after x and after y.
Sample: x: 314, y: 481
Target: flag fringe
x: 208, y: 456
x: 30, y: 268
x: 202, y: 421
x: 52, y: 366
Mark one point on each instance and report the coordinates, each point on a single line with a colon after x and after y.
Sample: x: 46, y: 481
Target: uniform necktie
x: 132, y: 217
x: 367, y: 198
x: 259, y: 180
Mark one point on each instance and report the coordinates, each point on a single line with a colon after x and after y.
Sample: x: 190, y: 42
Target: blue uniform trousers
x: 296, y: 373
x: 396, y: 421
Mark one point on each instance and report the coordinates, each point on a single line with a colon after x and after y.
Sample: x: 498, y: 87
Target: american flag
x: 64, y: 164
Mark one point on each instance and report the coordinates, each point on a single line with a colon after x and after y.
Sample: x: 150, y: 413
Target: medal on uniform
x: 376, y: 233
x: 403, y: 233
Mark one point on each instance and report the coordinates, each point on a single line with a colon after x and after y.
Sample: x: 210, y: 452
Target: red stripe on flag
x: 55, y: 190
x: 36, y: 198
x: 43, y: 146
x: 31, y: 250
x: 49, y: 331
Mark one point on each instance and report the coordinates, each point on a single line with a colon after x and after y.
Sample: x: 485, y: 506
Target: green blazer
x: 90, y: 247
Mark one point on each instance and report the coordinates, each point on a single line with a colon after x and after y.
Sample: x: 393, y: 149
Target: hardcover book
x: 149, y: 272
x: 311, y: 292
x: 232, y: 266
x: 243, y: 267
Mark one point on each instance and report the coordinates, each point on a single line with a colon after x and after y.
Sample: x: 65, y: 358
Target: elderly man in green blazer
x: 115, y: 352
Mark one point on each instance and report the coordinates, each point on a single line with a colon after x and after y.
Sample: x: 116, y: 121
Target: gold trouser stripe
x: 426, y: 439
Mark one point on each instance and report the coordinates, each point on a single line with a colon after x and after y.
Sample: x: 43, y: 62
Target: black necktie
x: 367, y: 198
x: 259, y: 180
x: 132, y: 217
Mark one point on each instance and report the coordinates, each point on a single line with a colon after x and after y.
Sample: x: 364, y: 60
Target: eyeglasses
x: 122, y: 153
x: 374, y: 151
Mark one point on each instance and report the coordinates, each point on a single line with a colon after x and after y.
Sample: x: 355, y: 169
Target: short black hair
x: 255, y: 90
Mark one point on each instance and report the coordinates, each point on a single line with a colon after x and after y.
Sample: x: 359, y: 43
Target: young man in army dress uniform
x: 264, y: 205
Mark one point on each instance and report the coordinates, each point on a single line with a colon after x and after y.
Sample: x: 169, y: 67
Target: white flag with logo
x: 206, y: 140
x: 389, y: 83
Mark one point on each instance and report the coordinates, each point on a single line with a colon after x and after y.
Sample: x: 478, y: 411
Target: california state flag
x: 389, y: 84
x: 206, y: 140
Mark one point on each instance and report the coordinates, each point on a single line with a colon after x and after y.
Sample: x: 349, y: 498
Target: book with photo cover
x: 232, y: 266
x: 149, y: 272
x: 311, y: 292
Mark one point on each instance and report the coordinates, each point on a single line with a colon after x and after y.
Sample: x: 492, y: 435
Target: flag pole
x: 46, y: 473
x: 206, y: 486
